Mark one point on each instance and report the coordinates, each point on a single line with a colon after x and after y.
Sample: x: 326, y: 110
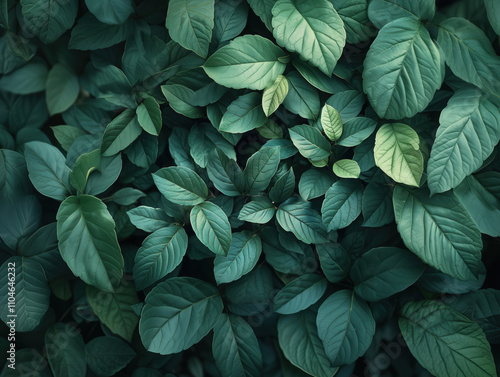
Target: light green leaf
x: 310, y: 142
x: 259, y: 211
x: 48, y: 171
x: 115, y: 309
x: 112, y: 12
x: 23, y: 279
x: 84, y: 165
x: 160, y: 253
x: 181, y: 185
x: 302, y: 98
x: 88, y: 242
x: 67, y: 350
x: 300, y: 294
x: 190, y: 23
x: 106, y: 355
x: 299, y: 340
x: 468, y: 132
x: 397, y: 153
x: 402, y: 69
x: 211, y: 226
x: 356, y: 131
x: 274, y: 95
x: 149, y: 116
x: 249, y: 61
x: 62, y: 89
x: 384, y: 271
x: 346, y: 169
x: 334, y: 261
x: 345, y: 326
x: 243, y: 114
x: 469, y: 54
x: 331, y: 122
x: 381, y: 12
x: 236, y: 348
x: 354, y: 13
x: 260, y: 169
x: 186, y: 300
x: 120, y: 133
x: 315, y: 183
x: 242, y: 257
x: 314, y: 30
x: 439, y: 230
x: 455, y: 345
x: 342, y: 204
x: 149, y: 219
x: 49, y: 19
x: 296, y: 215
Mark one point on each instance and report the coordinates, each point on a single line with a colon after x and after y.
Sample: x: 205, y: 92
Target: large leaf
x: 300, y: 294
x: 148, y: 219
x: 115, y: 309
x: 149, y: 116
x: 181, y: 185
x: 312, y: 29
x: 67, y: 350
x: 88, y: 242
x: 455, y: 346
x: 402, y: 69
x: 48, y: 171
x: 260, y: 169
x: 334, y: 261
x: 397, y: 153
x: 62, y: 89
x: 469, y: 130
x: 439, y: 230
x: 384, y: 271
x: 160, y: 253
x: 190, y: 23
x: 243, y: 114
x: 235, y: 348
x: 106, y: 355
x: 345, y: 326
x: 310, y: 142
x: 381, y: 12
x: 113, y: 12
x: 13, y: 174
x: 493, y: 12
x: 225, y: 174
x: 299, y: 340
x: 24, y: 280
x: 182, y: 309
x: 354, y: 13
x: 469, y: 54
x: 342, y: 204
x: 259, y: 211
x: 302, y: 98
x: 250, y: 61
x: 242, y: 257
x: 230, y: 18
x: 314, y: 183
x: 212, y: 227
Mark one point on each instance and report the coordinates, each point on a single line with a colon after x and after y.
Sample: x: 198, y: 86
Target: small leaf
x: 342, y: 204
x: 259, y: 211
x: 149, y: 116
x: 243, y: 114
x: 331, y: 122
x: 346, y: 169
x: 260, y: 169
x: 62, y: 89
x: 310, y: 143
x: 106, y: 355
x: 149, y: 219
x: 334, y: 261
x: 300, y: 294
x: 274, y: 95
x: 120, y: 133
x: 181, y: 185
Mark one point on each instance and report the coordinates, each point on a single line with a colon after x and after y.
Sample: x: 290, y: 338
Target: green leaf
x: 318, y: 79
x: 106, y: 355
x: 455, y: 345
x: 88, y: 243
x: 331, y: 122
x: 299, y: 340
x: 48, y: 171
x: 397, y: 153
x: 345, y: 326
x: 202, y: 140
x: 100, y: 180
x: 356, y: 131
x: 342, y: 204
x: 284, y: 187
x: 190, y: 23
x: 486, y: 312
x: 112, y: 12
x: 348, y: 103
x: 127, y: 196
x: 225, y: 174
x: 230, y: 18
x: 49, y: 19
x: 346, y: 169
x: 242, y: 257
x: 211, y: 226
x: 62, y: 89
x: 300, y: 294
x: 19, y: 217
x: 260, y: 169
x: 310, y: 142
x: 160, y: 253
x: 30, y: 78
x: 174, y: 301
x: 439, y: 230
x: 315, y: 183
x: 236, y: 348
x: 148, y: 219
x: 13, y: 174
x: 302, y: 99
x: 84, y: 165
x: 243, y: 114
x: 67, y: 350
x: 384, y: 271
x: 334, y: 261
x: 259, y: 211
x: 402, y: 69
x: 263, y: 9
x: 381, y: 12
x: 274, y: 95
x: 314, y: 31
x: 468, y: 132
x: 181, y: 185
x: 493, y: 12
x: 249, y: 61
x: 354, y: 13
x: 115, y: 309
x: 377, y: 204
x: 23, y: 279
x: 120, y: 133
x: 149, y: 116
x: 66, y: 135
x: 469, y: 54
x: 296, y: 215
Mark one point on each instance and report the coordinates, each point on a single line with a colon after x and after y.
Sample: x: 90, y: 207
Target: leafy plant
x: 250, y: 188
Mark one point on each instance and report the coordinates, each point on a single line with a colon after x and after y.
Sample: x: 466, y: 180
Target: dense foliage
x: 250, y: 188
